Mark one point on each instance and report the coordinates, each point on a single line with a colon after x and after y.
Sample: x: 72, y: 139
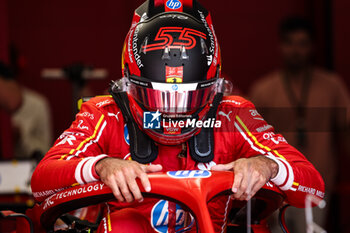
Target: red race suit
x: 99, y: 131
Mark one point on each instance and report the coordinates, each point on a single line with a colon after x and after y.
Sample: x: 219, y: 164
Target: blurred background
x: 38, y: 35
x: 55, y: 34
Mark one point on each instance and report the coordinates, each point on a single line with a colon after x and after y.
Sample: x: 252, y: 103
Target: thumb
x: 153, y: 168
x: 223, y: 167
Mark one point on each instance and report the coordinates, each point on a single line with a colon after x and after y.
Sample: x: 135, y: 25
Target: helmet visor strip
x: 175, y: 98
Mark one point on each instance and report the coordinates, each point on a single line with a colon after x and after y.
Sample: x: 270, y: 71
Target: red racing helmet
x: 171, y: 64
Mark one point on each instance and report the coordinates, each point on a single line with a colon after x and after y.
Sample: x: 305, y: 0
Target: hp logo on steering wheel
x: 189, y: 174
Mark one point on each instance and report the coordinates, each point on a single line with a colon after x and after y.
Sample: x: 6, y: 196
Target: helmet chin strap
x: 144, y: 150
x: 201, y: 146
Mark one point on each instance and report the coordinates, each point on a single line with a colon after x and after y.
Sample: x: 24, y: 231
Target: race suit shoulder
x: 253, y: 136
x: 73, y: 156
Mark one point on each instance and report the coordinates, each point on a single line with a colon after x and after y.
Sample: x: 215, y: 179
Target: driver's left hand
x: 251, y: 174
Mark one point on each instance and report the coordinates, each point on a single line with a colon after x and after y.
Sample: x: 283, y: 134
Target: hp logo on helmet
x: 173, y: 4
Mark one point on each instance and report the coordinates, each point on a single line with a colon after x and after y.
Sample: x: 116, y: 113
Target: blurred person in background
x: 309, y: 105
x: 32, y: 123
x: 10, y: 91
x: 30, y: 116
x: 10, y: 100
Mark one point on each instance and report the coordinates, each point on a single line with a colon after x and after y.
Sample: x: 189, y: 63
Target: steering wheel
x: 193, y: 189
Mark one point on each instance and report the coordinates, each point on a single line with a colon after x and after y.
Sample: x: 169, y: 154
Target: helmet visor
x: 174, y: 98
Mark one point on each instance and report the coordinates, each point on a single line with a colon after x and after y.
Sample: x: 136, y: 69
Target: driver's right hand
x: 120, y: 175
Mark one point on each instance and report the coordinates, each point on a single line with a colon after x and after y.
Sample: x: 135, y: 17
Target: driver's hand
x: 120, y: 175
x: 250, y: 175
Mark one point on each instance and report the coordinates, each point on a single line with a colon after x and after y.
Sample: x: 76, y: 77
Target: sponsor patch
x: 263, y: 128
x: 231, y: 101
x: 64, y: 134
x: 174, y: 74
x: 227, y: 115
x: 206, y: 166
x: 160, y: 217
x: 68, y: 139
x: 254, y: 113
x: 135, y: 49
x: 114, y: 115
x: 276, y: 139
x: 86, y: 114
x: 103, y: 103
x: 312, y: 191
x: 173, y: 4
x: 189, y: 174
x: 172, y: 130
x: 82, y: 126
x: 68, y: 193
x: 126, y: 135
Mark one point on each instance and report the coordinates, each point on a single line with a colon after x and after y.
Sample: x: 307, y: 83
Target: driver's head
x: 171, y: 63
x: 170, y: 54
x: 296, y: 36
